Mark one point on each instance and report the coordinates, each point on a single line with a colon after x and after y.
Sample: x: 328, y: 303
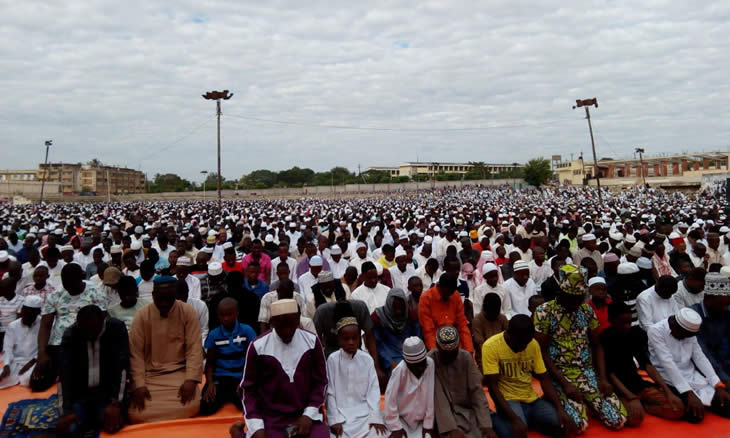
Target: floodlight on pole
x: 45, y: 173
x: 587, y: 103
x: 205, y: 180
x: 217, y: 96
x: 641, y: 152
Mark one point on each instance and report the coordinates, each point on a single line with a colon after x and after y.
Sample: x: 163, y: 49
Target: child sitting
x: 226, y: 347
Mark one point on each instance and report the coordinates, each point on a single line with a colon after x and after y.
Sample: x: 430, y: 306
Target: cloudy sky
x: 442, y: 80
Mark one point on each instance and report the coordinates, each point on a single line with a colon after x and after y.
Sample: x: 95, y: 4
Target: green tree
x: 169, y: 182
x: 260, y: 179
x: 94, y: 162
x: 537, y: 172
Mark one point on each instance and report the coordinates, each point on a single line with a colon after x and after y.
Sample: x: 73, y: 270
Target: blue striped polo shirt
x: 230, y: 348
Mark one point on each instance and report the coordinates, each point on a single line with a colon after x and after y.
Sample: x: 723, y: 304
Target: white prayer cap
x: 58, y: 232
x: 269, y: 238
x: 643, y: 263
x: 325, y: 277
x: 627, y: 268
x: 675, y: 235
x: 520, y: 265
x: 184, y: 261
x: 136, y: 245
x: 400, y: 252
x: 487, y: 268
x: 215, y: 268
x: 402, y: 235
x: 615, y: 235
x: 203, y: 230
x: 335, y: 250
x: 138, y: 229
x: 688, y: 319
x: 33, y: 301
x: 428, y: 240
x: 284, y: 307
x: 207, y: 250
x: 630, y: 239
x: 596, y: 280
x: 66, y: 248
x: 588, y: 237
x: 212, y: 233
x: 116, y: 249
x: 315, y: 261
x: 414, y: 350
x: 566, y: 222
x: 360, y: 245
x: 227, y: 245
x: 724, y: 229
x: 4, y: 256
x: 292, y: 225
x: 437, y: 229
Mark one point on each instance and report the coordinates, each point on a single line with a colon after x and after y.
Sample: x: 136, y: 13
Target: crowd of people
x: 302, y: 313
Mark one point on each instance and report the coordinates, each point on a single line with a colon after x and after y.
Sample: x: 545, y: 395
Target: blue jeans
x: 539, y: 415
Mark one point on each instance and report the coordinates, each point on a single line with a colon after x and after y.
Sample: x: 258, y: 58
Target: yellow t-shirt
x: 514, y: 369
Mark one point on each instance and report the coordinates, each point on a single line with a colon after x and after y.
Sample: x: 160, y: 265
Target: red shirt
x: 601, y: 315
x: 236, y: 267
x: 433, y: 312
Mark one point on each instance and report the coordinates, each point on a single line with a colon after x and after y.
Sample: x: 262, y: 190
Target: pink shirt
x: 264, y: 262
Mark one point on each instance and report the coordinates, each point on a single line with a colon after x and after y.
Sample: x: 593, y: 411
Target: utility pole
x: 108, y: 188
x: 587, y: 103
x: 205, y: 180
x: 640, y: 151
x: 45, y: 173
x: 217, y: 96
x: 359, y: 176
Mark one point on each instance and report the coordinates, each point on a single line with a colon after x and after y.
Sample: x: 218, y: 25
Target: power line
x: 366, y: 128
x: 183, y: 137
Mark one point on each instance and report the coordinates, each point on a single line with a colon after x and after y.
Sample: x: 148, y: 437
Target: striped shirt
x: 230, y: 348
x: 9, y: 310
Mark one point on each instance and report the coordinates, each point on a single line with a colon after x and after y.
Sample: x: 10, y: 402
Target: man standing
x: 166, y: 357
x: 440, y: 306
x: 460, y: 404
x: 677, y: 355
x: 284, y: 379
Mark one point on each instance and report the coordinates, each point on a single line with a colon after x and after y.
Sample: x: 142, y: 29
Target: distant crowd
x: 303, y: 313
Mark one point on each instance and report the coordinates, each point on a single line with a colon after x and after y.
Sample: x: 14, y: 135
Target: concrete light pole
x: 217, y: 96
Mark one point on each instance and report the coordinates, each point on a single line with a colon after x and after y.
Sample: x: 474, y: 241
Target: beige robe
x: 164, y: 353
x: 459, y: 397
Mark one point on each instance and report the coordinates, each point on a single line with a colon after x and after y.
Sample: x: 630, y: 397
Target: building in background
x: 665, y: 171
x: 414, y: 168
x: 93, y: 178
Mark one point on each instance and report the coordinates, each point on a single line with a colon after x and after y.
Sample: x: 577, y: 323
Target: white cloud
x: 122, y: 81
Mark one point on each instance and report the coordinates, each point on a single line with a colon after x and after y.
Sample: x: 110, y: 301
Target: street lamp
x: 48, y: 143
x: 585, y: 103
x: 640, y: 151
x: 205, y: 179
x: 217, y: 96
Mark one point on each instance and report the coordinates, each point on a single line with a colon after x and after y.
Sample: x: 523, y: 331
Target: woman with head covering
x: 353, y: 392
x: 467, y: 276
x: 392, y: 324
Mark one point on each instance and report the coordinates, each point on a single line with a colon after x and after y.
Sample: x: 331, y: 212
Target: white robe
x: 520, y: 295
x: 353, y: 394
x: 652, y: 308
x: 685, y: 298
x: 373, y: 298
x: 400, y: 279
x: 409, y: 401
x: 20, y: 346
x: 682, y: 364
x: 483, y: 289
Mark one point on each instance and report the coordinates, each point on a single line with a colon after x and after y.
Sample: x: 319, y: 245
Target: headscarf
x: 662, y: 265
x: 387, y: 316
x: 572, y: 280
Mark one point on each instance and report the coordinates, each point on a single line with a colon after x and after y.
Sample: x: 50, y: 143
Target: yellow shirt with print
x: 514, y: 369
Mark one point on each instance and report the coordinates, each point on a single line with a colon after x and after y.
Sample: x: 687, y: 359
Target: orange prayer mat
x: 217, y: 425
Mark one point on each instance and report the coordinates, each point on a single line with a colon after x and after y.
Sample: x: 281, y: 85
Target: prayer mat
x: 33, y: 418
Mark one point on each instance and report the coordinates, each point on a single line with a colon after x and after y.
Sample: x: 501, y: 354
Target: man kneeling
x: 166, y: 357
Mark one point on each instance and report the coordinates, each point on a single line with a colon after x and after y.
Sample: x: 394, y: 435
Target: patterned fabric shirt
x: 43, y: 293
x: 569, y: 344
x: 66, y: 306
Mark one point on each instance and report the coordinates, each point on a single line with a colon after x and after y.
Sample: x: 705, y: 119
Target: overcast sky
x: 443, y: 80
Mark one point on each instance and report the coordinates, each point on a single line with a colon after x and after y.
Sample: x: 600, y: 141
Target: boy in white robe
x: 409, y: 396
x: 353, y: 392
x: 21, y: 345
